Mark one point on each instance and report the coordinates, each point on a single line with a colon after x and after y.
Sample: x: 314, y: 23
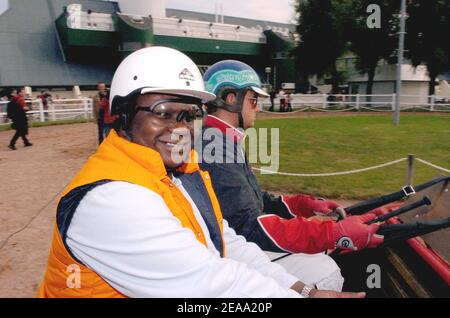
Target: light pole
x: 401, y: 46
x: 268, y: 71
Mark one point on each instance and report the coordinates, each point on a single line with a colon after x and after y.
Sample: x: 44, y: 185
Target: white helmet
x: 156, y: 70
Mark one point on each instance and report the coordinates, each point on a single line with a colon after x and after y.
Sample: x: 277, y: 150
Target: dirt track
x: 31, y: 180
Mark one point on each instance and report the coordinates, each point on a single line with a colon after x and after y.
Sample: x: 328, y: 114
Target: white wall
x: 388, y: 73
x: 388, y: 87
x: 444, y: 89
x: 414, y: 88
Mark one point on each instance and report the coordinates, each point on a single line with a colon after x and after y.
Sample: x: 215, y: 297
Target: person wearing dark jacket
x: 278, y: 224
x: 108, y: 119
x: 16, y: 111
x: 97, y: 112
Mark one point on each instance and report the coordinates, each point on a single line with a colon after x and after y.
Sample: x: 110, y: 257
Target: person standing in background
x: 46, y: 99
x: 98, y: 114
x: 16, y: 111
x: 289, y: 101
x: 19, y: 98
x: 282, y: 97
x: 108, y: 119
x: 273, y: 95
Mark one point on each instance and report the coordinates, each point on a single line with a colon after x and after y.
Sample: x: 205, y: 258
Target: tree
x: 320, y: 24
x: 372, y: 44
x: 427, y: 37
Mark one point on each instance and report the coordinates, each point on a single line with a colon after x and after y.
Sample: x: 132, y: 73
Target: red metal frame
x: 433, y: 259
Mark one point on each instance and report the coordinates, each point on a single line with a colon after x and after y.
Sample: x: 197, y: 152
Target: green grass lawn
x: 333, y: 144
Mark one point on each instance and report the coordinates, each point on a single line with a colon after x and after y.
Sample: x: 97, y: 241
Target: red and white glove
x: 307, y: 206
x: 353, y: 234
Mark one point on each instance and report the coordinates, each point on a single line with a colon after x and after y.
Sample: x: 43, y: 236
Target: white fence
x: 59, y: 109
x: 360, y: 102
x: 68, y: 109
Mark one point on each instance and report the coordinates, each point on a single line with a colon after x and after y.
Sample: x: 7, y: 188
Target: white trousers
x: 313, y: 269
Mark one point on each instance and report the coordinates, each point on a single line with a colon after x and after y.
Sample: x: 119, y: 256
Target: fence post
x: 85, y: 106
x: 324, y: 101
x: 432, y: 101
x: 91, y: 108
x: 53, y: 113
x: 41, y: 111
x: 357, y: 102
x: 393, y: 102
x: 410, y: 170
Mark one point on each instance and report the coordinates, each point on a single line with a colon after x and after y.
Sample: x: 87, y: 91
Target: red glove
x: 306, y: 205
x: 298, y: 235
x: 353, y: 234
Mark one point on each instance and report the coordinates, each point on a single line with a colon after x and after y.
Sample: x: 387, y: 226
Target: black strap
x: 401, y: 232
x: 365, y: 206
x: 241, y: 120
x: 281, y: 257
x: 406, y: 208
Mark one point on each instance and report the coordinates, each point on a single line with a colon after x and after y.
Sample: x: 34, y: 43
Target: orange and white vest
x: 120, y: 160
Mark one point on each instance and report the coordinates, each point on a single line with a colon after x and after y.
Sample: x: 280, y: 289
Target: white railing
x: 94, y: 21
x: 59, y: 109
x: 66, y: 109
x: 359, y: 102
x: 206, y: 30
x: 84, y: 21
x: 78, y: 19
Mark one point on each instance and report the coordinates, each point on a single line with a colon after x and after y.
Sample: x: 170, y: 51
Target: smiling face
x: 161, y: 132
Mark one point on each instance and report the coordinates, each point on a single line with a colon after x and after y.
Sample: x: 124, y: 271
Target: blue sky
x: 3, y: 5
x: 270, y: 10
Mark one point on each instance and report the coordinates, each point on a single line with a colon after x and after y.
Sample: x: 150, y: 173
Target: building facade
x: 57, y: 44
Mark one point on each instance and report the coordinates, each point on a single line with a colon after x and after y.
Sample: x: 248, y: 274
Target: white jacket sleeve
x: 127, y: 235
x: 239, y: 249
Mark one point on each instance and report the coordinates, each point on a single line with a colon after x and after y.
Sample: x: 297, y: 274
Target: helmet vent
x: 135, y: 78
x: 188, y: 84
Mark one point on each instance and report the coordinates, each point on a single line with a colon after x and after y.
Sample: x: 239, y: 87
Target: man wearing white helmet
x: 141, y: 219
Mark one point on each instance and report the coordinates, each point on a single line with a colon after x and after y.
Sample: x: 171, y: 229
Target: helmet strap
x: 241, y: 120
